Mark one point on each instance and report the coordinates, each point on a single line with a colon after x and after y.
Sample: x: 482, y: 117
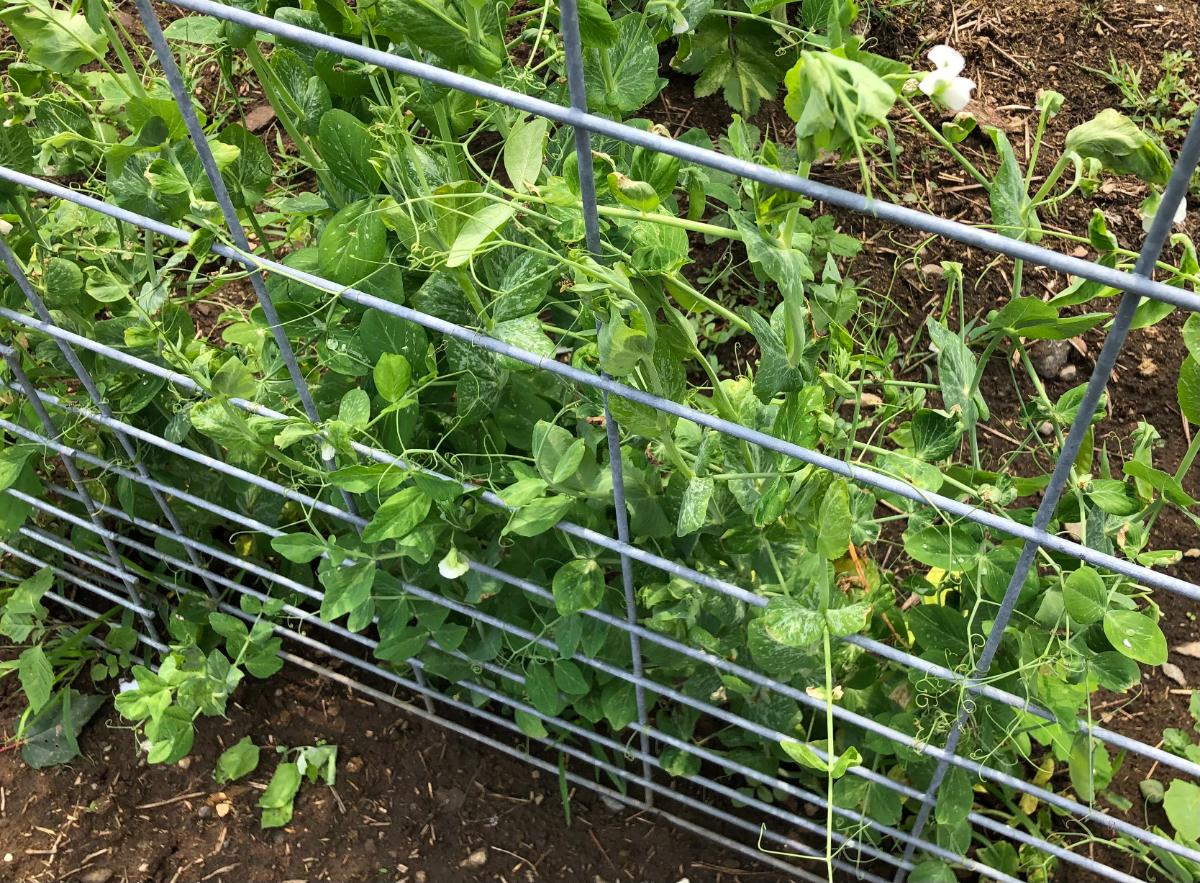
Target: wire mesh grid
x: 769, y: 832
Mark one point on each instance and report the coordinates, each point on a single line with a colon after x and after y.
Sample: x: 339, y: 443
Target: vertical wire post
x: 232, y: 222
x: 84, y: 376
x: 1156, y: 238
x: 573, y: 47
x: 234, y: 225
x: 127, y: 579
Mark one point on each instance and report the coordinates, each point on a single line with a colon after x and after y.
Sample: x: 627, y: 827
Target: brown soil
x: 412, y: 802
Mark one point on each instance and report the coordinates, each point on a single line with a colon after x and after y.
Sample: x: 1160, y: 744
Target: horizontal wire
x: 654, y: 733
x: 858, y: 720
x: 844, y: 714
x: 857, y: 473
x: 882, y: 211
x: 34, y: 561
x: 436, y: 599
x: 868, y: 644
x: 865, y: 723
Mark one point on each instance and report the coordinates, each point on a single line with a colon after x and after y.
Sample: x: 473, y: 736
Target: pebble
x: 1192, y: 553
x: 8, y: 856
x: 477, y: 859
x: 97, y: 875
x: 1174, y: 673
x: 1049, y: 357
x: 420, y: 877
x: 204, y: 811
x: 1068, y: 372
x: 1046, y: 429
x: 184, y: 763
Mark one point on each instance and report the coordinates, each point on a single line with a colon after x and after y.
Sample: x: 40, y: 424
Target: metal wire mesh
x: 124, y: 564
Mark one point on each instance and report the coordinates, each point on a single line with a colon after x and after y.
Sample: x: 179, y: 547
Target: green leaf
x: 1089, y: 766
x: 199, y: 29
x: 1188, y: 389
x: 1113, y: 496
x: 347, y: 587
x: 1182, y: 805
x: 248, y: 177
x: 578, y: 585
x: 36, y: 675
x: 276, y: 801
x: 935, y: 435
x: 596, y: 27
x: 12, y: 464
x: 792, y: 624
x: 833, y: 538
x: 353, y: 244
x: 569, y: 678
x: 299, y: 547
x: 1009, y: 200
x: 1116, y: 142
x: 398, y: 515
x: 836, y: 102
x: 629, y: 80
x: 693, y: 508
x: 737, y: 61
x: 355, y: 409
x: 346, y: 146
x: 541, y: 688
x: 848, y: 620
x: 393, y: 376
x: 956, y: 372
x: 238, y: 760
x: 954, y: 547
x: 848, y: 758
x: 1136, y: 635
x: 538, y: 516
x: 51, y: 737
x: 938, y: 628
x: 523, y: 150
x: 803, y: 754
x: 478, y: 229
x: 436, y: 27
x: 1085, y: 596
x: 57, y: 39
x: 932, y: 870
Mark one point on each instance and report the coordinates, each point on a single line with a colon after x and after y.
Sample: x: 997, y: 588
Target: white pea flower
x: 943, y: 83
x: 126, y: 686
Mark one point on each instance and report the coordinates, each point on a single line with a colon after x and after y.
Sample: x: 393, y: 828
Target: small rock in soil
x: 1147, y: 367
x: 97, y: 875
x: 1192, y: 553
x: 184, y: 762
x: 1049, y: 357
x: 204, y: 811
x: 1191, y: 648
x: 1068, y: 372
x: 477, y: 859
x: 1174, y: 673
x: 259, y: 117
x: 1046, y: 429
x: 449, y: 799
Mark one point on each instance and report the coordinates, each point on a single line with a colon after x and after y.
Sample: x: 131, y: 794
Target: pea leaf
x: 629, y: 80
x: 523, y: 150
x: 276, y: 801
x: 789, y: 622
x: 578, y: 585
x: 398, y: 515
x: 353, y: 243
x: 693, y: 508
x: 392, y: 375
x: 1085, y: 596
x: 541, y: 688
x: 1116, y: 142
x: 236, y: 761
x: 299, y: 547
x: 1136, y: 635
x: 57, y: 39
x: 1188, y: 389
x: 478, y: 229
x: 347, y: 145
x: 1182, y: 805
x: 833, y: 538
x: 36, y: 676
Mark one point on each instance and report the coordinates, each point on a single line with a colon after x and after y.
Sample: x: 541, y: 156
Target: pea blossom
x: 943, y: 84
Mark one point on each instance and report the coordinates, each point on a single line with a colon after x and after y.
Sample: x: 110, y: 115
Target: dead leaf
x: 260, y: 117
x: 1174, y: 673
x: 223, y: 808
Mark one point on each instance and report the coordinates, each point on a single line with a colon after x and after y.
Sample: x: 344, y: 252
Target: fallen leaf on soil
x: 223, y: 809
x: 1191, y: 648
x: 1174, y: 673
x: 260, y: 117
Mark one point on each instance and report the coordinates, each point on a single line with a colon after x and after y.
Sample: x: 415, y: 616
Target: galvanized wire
x: 1035, y: 536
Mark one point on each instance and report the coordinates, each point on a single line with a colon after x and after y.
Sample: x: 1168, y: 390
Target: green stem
x: 942, y: 140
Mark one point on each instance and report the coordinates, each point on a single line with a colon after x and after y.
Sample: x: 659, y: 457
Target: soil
x: 413, y: 803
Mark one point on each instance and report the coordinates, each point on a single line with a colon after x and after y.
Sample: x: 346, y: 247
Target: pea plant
x: 471, y: 213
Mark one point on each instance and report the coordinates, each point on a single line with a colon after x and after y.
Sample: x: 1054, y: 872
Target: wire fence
x: 728, y: 815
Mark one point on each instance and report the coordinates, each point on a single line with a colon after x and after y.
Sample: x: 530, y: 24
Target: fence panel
x: 767, y: 831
